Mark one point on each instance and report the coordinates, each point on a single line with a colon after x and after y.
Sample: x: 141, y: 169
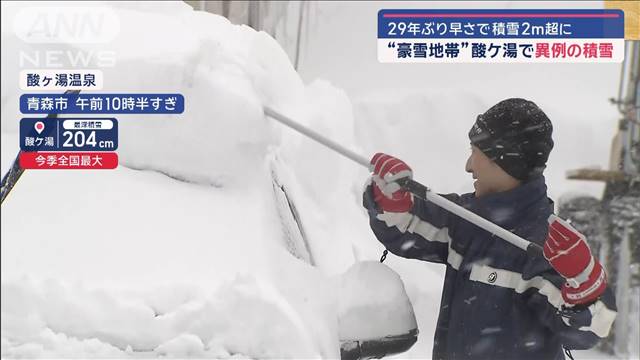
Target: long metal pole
x: 317, y: 137
x: 413, y: 186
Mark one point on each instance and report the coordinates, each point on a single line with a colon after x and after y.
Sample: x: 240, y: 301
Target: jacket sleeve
x: 423, y: 233
x: 578, y: 327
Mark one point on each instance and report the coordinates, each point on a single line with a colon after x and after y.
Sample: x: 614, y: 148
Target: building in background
x: 286, y: 21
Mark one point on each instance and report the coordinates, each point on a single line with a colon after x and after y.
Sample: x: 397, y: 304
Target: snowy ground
x: 179, y: 251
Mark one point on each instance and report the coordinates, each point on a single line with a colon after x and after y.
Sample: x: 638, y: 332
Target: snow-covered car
x: 212, y: 238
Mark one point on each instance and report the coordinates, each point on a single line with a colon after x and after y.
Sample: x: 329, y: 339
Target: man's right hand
x: 387, y: 193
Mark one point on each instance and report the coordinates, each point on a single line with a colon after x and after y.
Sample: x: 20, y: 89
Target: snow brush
x: 414, y: 187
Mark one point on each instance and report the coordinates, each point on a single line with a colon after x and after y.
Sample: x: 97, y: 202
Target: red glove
x: 567, y: 251
x: 387, y: 193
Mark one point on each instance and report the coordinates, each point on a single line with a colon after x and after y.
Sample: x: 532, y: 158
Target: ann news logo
x: 66, y: 24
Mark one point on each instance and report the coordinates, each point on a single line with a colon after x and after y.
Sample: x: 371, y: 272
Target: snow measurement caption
x: 64, y: 134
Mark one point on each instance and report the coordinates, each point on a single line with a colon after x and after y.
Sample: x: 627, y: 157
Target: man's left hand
x: 568, y: 252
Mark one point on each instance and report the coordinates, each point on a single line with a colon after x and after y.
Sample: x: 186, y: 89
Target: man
x: 497, y: 301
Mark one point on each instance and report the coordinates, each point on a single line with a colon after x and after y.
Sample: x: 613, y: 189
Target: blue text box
x: 101, y: 104
x: 581, y: 23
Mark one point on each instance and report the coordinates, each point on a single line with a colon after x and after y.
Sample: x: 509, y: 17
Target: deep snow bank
x: 245, y: 317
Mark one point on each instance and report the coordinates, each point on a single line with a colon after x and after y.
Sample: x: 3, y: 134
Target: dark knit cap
x: 516, y: 134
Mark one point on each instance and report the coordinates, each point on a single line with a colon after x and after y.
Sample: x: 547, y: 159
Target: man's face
x: 490, y: 178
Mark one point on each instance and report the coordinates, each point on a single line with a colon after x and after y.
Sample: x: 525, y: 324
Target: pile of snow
x: 245, y: 317
x: 373, y: 303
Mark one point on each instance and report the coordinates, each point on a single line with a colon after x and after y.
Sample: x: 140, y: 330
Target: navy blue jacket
x: 497, y: 302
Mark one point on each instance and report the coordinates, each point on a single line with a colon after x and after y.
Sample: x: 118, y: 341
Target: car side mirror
x: 375, y: 316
